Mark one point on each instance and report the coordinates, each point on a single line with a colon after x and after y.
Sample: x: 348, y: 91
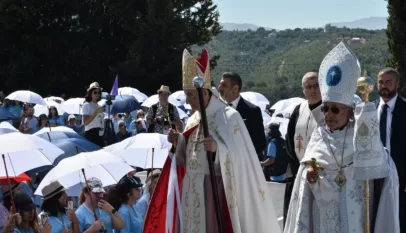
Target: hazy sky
x: 281, y: 14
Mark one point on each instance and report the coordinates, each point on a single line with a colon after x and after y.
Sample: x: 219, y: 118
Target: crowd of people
x: 340, y: 154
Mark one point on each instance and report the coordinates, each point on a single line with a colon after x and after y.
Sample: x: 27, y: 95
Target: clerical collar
x: 313, y: 106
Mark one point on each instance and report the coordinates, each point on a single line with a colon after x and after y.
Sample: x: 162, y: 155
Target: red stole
x: 155, y: 220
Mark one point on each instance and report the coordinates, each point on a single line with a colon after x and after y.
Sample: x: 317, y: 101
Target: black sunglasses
x: 334, y: 109
x: 96, y: 92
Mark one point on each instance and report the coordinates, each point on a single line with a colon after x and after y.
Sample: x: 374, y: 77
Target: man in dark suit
x: 392, y: 125
x: 230, y: 88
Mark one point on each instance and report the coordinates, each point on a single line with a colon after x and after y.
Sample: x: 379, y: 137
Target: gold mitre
x: 192, y: 67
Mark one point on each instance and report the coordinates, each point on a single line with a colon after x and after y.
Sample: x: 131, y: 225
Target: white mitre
x: 338, y: 75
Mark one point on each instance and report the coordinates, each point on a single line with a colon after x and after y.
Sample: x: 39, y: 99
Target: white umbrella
x: 180, y: 96
x: 58, y: 129
x: 283, y: 124
x: 187, y: 106
x: 142, y: 157
x: 100, y: 164
x: 41, y: 109
x: 6, y: 127
x: 255, y: 98
x: 266, y: 118
x: 182, y: 114
x: 140, y: 146
x: 142, y: 140
x: 27, y: 97
x: 25, y: 152
x: 73, y: 106
x: 155, y: 99
x: 59, y: 100
x: 282, y: 105
x: 141, y: 97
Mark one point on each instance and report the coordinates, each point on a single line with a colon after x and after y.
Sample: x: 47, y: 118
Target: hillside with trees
x: 274, y: 62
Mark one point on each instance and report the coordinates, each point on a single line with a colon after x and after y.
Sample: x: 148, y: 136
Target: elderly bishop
x: 183, y: 198
x: 346, y: 179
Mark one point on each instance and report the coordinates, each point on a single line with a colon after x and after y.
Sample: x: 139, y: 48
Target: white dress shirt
x: 235, y: 102
x: 391, y: 107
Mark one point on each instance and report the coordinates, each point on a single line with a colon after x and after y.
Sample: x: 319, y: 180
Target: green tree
x: 396, y: 32
x: 62, y: 46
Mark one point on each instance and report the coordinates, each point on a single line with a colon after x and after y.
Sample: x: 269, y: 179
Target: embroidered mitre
x: 338, y: 75
x: 370, y: 157
x: 192, y: 67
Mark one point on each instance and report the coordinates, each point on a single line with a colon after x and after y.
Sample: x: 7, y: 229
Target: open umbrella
x: 155, y: 99
x: 27, y: 97
x: 58, y: 135
x: 125, y: 104
x: 180, y: 96
x: 44, y: 109
x: 58, y: 100
x: 14, y: 179
x: 141, y: 97
x: 148, y: 150
x: 6, y: 115
x: 256, y: 98
x: 24, y: 152
x: 101, y: 164
x: 73, y: 106
x: 6, y: 127
x: 55, y: 129
x: 73, y: 146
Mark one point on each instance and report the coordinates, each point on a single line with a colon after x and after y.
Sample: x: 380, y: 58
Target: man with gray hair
x: 300, y: 128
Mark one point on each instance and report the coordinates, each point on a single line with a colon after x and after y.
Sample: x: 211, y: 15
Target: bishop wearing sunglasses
x: 345, y: 174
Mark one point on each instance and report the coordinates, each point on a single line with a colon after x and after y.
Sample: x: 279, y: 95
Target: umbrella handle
x: 91, y: 199
x: 88, y: 188
x: 152, y: 165
x: 9, y: 184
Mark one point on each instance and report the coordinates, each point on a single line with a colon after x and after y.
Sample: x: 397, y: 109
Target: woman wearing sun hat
x: 93, y: 115
x: 55, y: 200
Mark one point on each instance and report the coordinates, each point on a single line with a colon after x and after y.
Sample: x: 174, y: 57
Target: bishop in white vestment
x: 245, y: 201
x: 328, y: 194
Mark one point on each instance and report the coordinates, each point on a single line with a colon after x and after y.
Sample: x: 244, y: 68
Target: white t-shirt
x: 88, y: 109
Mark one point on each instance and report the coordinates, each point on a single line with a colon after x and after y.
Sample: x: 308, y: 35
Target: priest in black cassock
x: 300, y: 128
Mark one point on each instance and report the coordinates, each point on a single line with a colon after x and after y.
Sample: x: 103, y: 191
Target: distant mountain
x: 372, y: 23
x: 240, y: 27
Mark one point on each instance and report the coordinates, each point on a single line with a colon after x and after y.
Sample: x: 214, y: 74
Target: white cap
x: 71, y: 117
x: 338, y: 75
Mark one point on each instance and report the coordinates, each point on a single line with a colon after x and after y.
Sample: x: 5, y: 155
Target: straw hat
x: 154, y: 173
x: 51, y: 190
x: 94, y: 85
x: 164, y: 89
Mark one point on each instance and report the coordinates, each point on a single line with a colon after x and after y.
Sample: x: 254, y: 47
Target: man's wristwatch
x: 113, y: 211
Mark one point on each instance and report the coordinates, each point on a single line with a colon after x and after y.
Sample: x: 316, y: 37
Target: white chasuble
x: 325, y: 207
x: 242, y: 187
x: 304, y: 128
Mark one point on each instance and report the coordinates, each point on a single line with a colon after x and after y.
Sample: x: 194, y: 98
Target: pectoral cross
x: 299, y: 146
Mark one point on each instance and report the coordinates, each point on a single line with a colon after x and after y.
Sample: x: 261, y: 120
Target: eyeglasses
x: 96, y: 92
x: 334, y: 109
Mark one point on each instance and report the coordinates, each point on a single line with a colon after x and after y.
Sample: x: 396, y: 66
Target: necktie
x: 230, y: 104
x: 382, y: 123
